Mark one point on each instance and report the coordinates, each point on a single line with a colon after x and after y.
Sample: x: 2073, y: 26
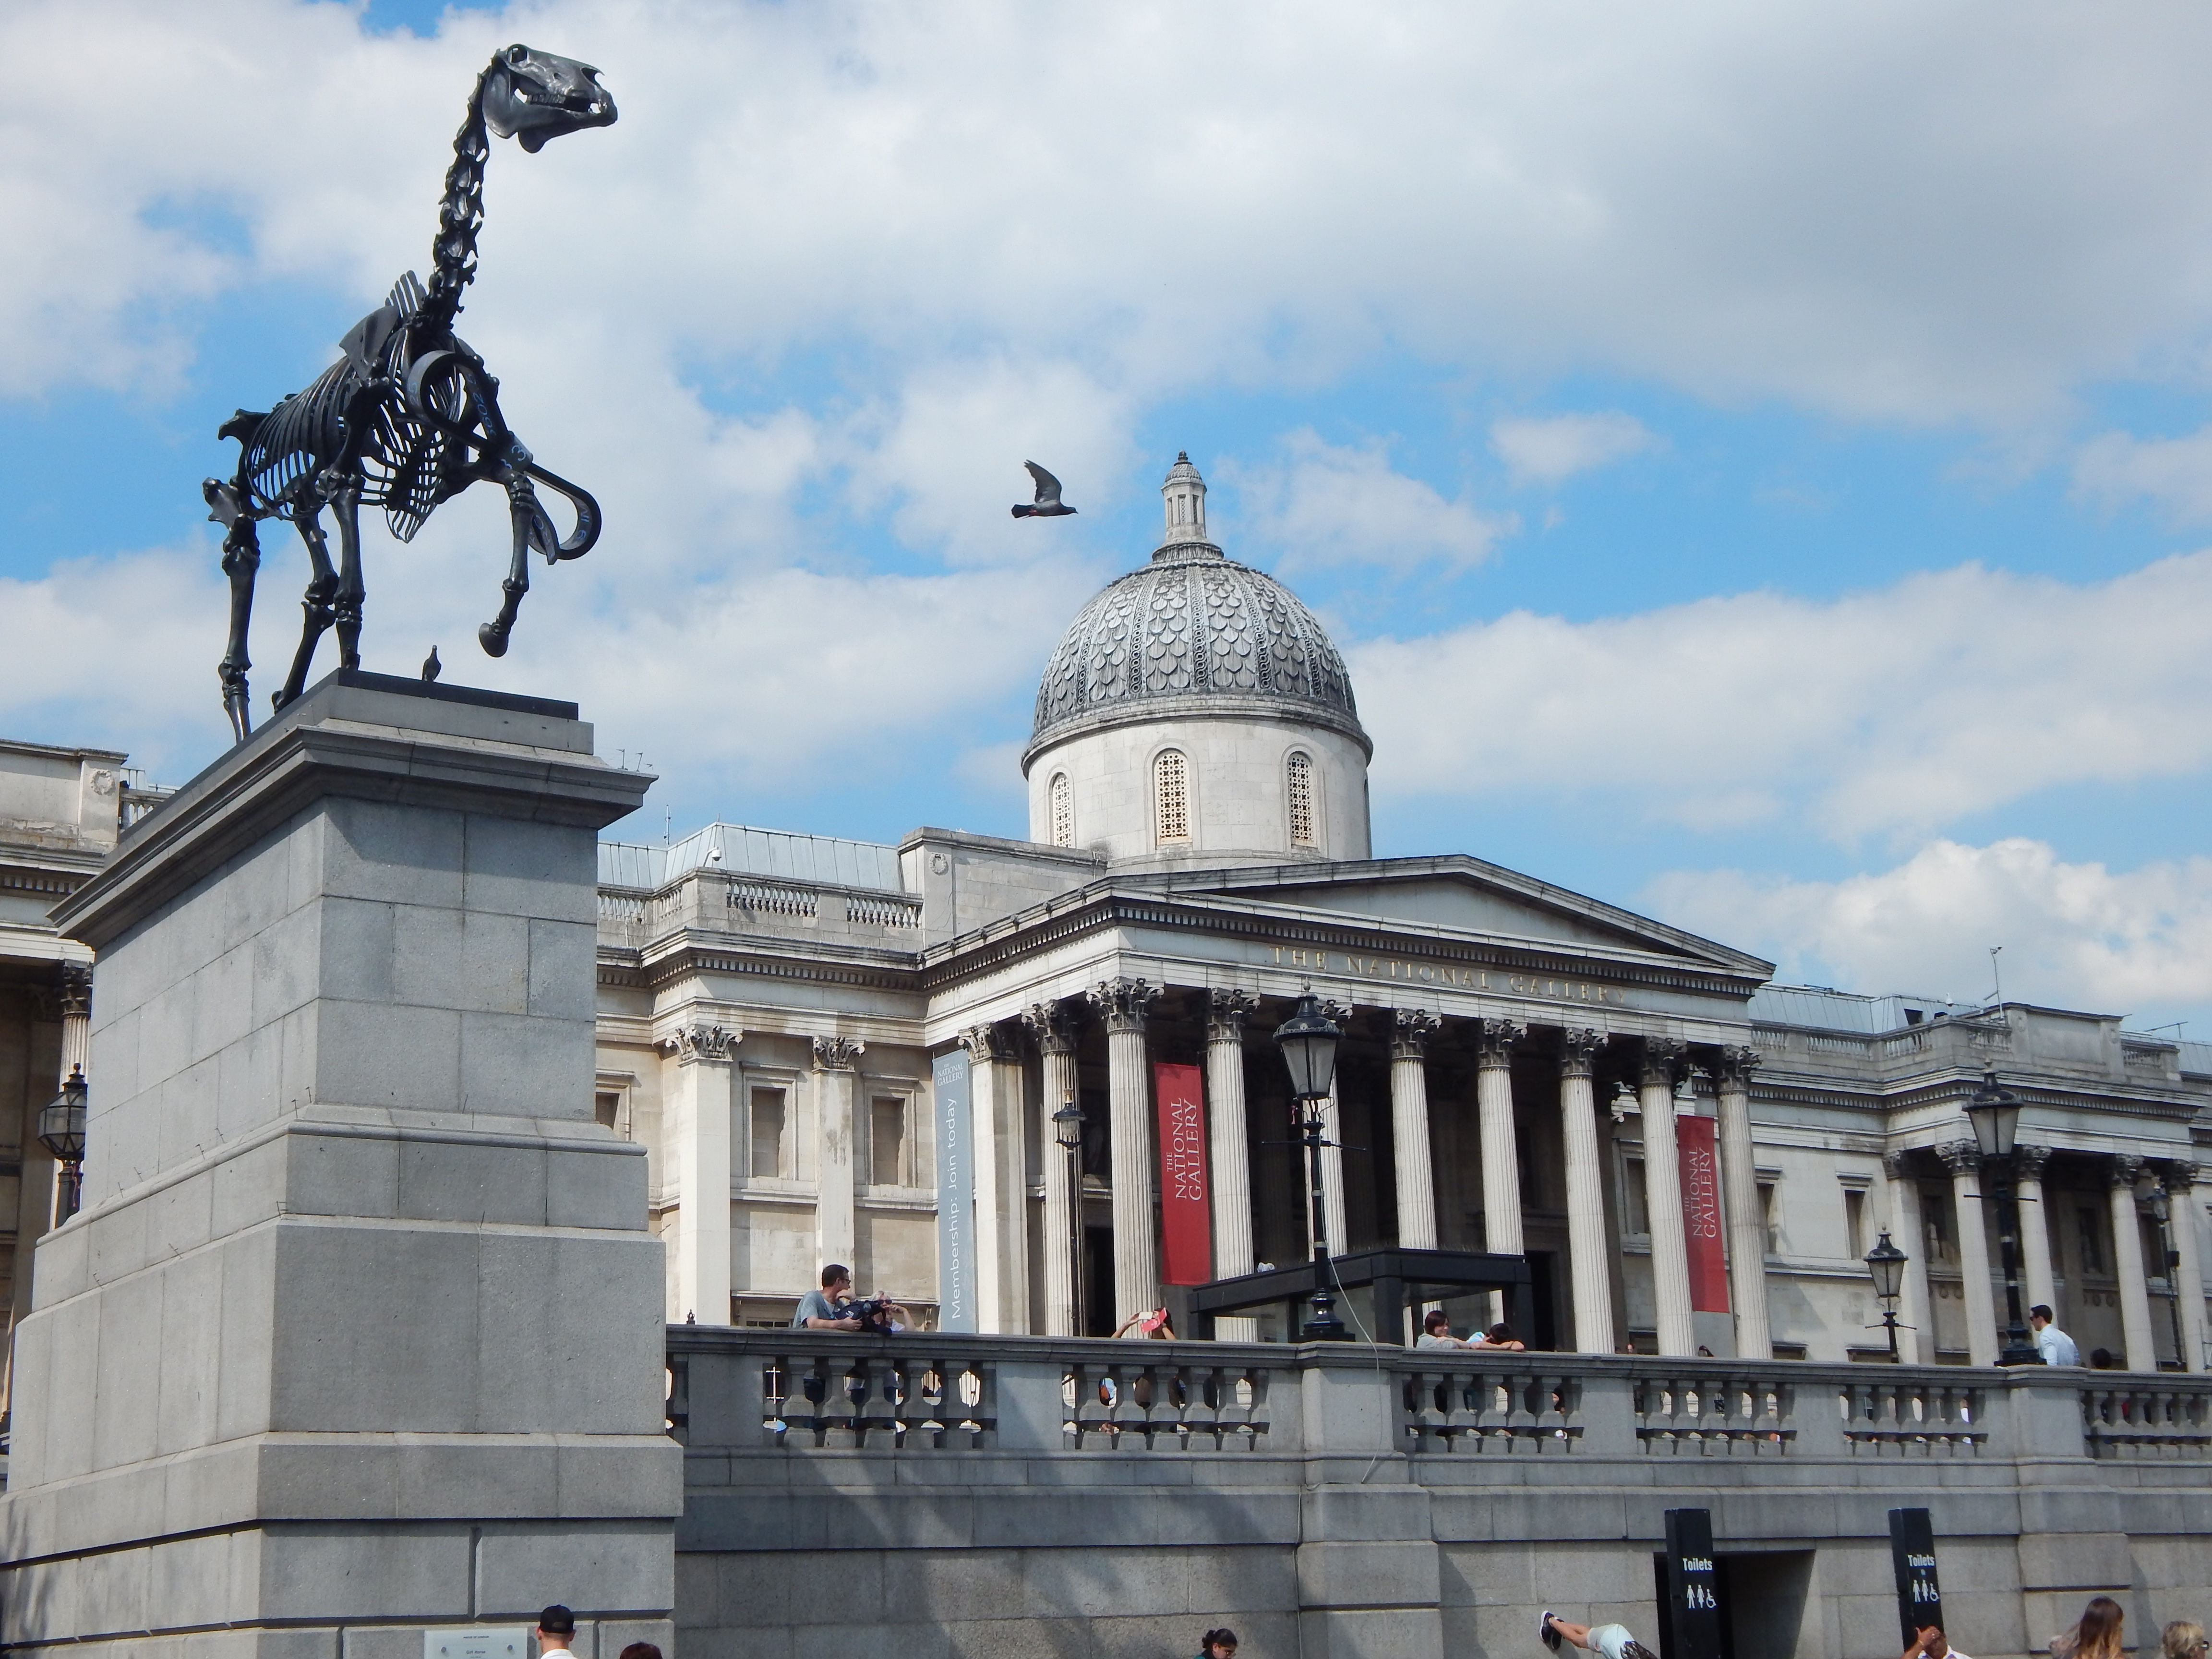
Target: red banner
x: 1701, y: 1213
x: 1186, y: 1203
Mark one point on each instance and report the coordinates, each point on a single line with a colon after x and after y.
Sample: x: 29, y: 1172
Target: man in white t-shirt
x: 557, y: 1629
x: 2054, y: 1345
x: 1929, y: 1644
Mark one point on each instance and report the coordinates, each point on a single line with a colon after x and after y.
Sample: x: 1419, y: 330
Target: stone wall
x: 935, y: 1495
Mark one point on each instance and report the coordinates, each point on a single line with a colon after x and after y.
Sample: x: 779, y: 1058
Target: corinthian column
x: 1123, y: 1004
x: 1410, y: 1031
x: 1663, y: 1198
x: 1963, y: 1159
x: 705, y: 1056
x: 1052, y: 1025
x: 2128, y: 1265
x: 2189, y: 1271
x: 1226, y: 1012
x: 1746, y: 1229
x: 835, y: 1084
x: 1916, y: 1342
x: 1002, y: 1241
x: 1589, y: 1261
x: 1501, y: 1152
x: 2028, y: 1163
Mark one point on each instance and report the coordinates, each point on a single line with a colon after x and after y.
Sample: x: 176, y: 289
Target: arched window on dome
x: 1170, y: 797
x: 1063, y: 811
x: 1301, y: 791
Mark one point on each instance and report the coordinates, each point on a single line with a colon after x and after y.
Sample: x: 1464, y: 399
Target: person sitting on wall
x: 2054, y: 1345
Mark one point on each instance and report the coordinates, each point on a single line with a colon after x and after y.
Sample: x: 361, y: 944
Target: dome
x: 1189, y: 633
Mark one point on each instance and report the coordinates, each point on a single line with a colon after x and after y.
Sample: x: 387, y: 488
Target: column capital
x: 2027, y: 1162
x: 1660, y: 1056
x: 1494, y: 1039
x: 835, y: 1053
x: 2178, y: 1175
x: 1227, y: 1008
x: 2123, y: 1170
x: 1052, y: 1024
x: 1960, y: 1156
x: 1123, y: 1004
x: 989, y: 1040
x: 1737, y: 1063
x: 75, y: 991
x: 693, y: 1043
x: 1578, y: 1050
x: 1410, y: 1031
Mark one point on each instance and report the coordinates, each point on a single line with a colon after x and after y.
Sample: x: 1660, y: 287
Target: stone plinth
x: 359, y: 1328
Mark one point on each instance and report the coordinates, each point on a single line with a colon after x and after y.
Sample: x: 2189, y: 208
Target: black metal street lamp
x: 1308, y: 1040
x: 1887, y: 1263
x: 1068, y: 1129
x: 1994, y: 1112
x: 61, y: 1132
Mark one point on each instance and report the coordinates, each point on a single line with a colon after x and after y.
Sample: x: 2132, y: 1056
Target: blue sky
x: 1755, y: 465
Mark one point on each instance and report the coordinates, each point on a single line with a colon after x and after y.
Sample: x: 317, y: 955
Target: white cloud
x: 2172, y: 474
x: 2074, y: 935
x: 1887, y: 711
x: 1878, y: 210
x: 1326, y: 504
x: 1550, y: 449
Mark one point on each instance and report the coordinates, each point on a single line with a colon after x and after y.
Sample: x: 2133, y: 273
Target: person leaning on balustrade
x: 2184, y: 1639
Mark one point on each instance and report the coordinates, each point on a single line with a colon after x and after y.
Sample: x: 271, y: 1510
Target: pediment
x: 1464, y: 895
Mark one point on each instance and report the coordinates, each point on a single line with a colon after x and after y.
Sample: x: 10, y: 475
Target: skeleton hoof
x: 493, y: 639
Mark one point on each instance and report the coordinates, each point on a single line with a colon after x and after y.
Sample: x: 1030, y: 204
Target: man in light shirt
x: 2054, y: 1345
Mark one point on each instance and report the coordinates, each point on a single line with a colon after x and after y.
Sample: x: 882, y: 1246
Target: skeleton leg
x: 241, y: 561
x: 346, y: 499
x: 532, y: 529
x: 322, y: 587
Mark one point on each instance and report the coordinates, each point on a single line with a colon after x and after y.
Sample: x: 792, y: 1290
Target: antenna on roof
x: 1997, y: 995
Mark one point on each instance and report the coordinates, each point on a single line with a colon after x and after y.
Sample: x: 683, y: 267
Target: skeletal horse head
x: 531, y: 96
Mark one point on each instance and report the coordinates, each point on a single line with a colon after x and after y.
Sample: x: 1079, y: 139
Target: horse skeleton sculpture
x: 408, y: 417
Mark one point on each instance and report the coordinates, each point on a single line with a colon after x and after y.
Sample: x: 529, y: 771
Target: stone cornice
x: 1118, y: 903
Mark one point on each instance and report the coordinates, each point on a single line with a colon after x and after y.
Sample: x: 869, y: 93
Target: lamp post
x: 1067, y: 1130
x: 1994, y: 1112
x: 61, y: 1132
x: 1887, y: 1263
x: 2161, y: 1211
x: 1307, y: 1039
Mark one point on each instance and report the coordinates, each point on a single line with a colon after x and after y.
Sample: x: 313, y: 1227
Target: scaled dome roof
x: 1192, y: 631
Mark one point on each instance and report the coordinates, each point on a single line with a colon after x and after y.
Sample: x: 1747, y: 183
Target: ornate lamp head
x: 531, y: 96
x: 1886, y: 1262
x: 1307, y: 1039
x: 1994, y: 1112
x: 1068, y: 1125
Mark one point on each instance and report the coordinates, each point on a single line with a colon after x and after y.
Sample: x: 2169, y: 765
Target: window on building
x: 1171, y: 796
x: 887, y: 1165
x: 604, y: 1107
x: 1635, y: 1219
x: 1063, y: 811
x: 1302, y: 801
x: 1770, y: 1218
x: 769, y: 1137
x: 1855, y: 1227
x: 1935, y: 1218
x: 2090, y: 1226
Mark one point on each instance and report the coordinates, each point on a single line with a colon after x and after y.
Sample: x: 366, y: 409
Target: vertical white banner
x: 956, y: 1195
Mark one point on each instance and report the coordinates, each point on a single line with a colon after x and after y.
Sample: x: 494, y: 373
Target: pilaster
x: 1125, y: 1005
x: 1052, y: 1026
x: 836, y: 1085
x: 701, y: 1109
x: 1746, y: 1227
x: 1002, y: 1250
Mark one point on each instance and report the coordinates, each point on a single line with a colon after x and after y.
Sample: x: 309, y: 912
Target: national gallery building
x: 874, y: 1055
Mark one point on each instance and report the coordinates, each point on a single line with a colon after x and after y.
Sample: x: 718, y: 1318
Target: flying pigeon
x: 1049, y: 505
x: 431, y: 666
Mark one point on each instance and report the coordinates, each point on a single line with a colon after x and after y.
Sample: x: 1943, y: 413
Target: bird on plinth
x: 1047, y: 504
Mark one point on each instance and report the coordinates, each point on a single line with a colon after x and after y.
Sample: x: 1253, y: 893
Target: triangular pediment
x: 1465, y: 895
